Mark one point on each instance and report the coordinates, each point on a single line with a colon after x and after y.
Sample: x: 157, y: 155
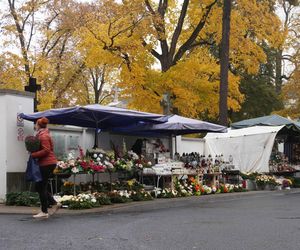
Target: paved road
x: 260, y: 221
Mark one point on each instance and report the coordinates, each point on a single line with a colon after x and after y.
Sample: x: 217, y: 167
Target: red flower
x: 84, y: 165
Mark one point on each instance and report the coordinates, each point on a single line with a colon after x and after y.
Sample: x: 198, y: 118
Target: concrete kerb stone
x: 118, y: 207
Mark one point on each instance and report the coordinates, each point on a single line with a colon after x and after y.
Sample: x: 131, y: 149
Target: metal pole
x: 96, y: 138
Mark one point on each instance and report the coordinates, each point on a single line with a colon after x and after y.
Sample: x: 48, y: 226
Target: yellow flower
x: 56, y: 170
x: 130, y: 183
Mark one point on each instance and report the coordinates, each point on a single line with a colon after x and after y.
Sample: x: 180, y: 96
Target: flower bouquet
x: 83, y: 201
x: 32, y: 143
x: 167, y: 193
x: 119, y: 196
x: 141, y: 195
x: 102, y: 198
x: 266, y: 182
x: 287, y: 183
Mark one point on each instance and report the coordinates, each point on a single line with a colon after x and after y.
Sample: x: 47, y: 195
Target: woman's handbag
x: 33, y: 173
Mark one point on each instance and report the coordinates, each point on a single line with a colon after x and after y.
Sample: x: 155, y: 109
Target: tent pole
x: 171, y: 147
x: 96, y: 138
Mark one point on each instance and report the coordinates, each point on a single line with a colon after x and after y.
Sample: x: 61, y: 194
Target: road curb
x: 115, y: 207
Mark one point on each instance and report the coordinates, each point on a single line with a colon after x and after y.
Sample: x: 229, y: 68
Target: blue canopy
x: 176, y: 125
x: 95, y: 116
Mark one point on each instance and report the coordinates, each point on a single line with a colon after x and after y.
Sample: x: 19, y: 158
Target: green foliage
x: 249, y: 176
x: 141, y: 196
x: 28, y: 199
x: 69, y: 189
x: 295, y: 181
x: 118, y: 198
x: 82, y: 205
x: 103, y: 199
x: 260, y: 99
x: 259, y: 90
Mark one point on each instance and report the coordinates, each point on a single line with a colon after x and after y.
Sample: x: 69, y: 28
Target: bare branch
x: 53, y: 45
x: 20, y: 36
x: 58, y: 63
x: 104, y: 97
x: 152, y: 51
x: 71, y: 80
x: 149, y: 7
x: 162, y: 7
x: 178, y: 29
x: 194, y: 35
x: 31, y: 32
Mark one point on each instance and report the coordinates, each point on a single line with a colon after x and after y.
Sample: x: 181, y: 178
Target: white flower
x: 75, y: 170
x: 149, y: 163
x: 208, y: 190
x: 174, y: 192
x: 71, y: 155
x: 65, y: 198
x: 101, y: 155
x: 95, y: 156
x: 93, y: 200
x: 98, y: 159
x: 71, y: 163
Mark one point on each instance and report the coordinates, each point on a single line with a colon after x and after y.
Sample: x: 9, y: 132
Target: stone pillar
x: 13, y: 155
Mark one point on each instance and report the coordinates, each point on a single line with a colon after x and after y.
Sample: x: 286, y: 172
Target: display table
x: 231, y: 176
x: 284, y: 173
x: 173, y: 170
x: 212, y: 178
x: 185, y: 171
x: 73, y: 175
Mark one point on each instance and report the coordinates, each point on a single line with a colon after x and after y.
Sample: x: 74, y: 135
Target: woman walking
x: 47, y: 163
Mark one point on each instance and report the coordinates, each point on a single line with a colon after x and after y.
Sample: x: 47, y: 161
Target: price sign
x: 20, y: 134
x: 20, y: 121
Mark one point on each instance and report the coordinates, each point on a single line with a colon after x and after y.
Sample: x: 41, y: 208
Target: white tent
x: 250, y: 147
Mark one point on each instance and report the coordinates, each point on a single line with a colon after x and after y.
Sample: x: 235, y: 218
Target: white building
x: 13, y: 156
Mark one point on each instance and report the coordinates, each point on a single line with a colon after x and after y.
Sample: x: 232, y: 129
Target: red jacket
x: 45, y: 155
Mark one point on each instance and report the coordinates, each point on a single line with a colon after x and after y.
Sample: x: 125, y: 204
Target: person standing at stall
x: 47, y: 163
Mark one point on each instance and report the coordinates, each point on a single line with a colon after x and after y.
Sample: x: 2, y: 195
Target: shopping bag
x: 33, y: 173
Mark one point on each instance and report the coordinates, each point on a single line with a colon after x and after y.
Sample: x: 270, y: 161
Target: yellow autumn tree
x: 43, y: 48
x: 291, y: 97
x: 289, y: 56
x: 185, y: 39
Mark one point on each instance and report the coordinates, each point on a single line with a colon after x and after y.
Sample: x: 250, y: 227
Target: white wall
x: 17, y: 155
x: 13, y: 156
x: 3, y: 162
x: 189, y: 145
x: 86, y: 138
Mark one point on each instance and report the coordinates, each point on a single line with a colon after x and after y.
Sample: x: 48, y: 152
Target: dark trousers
x: 42, y: 187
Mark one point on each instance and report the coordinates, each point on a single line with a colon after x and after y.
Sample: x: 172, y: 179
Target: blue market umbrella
x: 95, y: 116
x: 176, y: 125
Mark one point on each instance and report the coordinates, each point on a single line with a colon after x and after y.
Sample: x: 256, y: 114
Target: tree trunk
x: 224, y: 63
x: 278, y: 76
